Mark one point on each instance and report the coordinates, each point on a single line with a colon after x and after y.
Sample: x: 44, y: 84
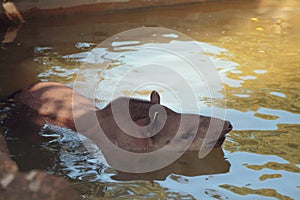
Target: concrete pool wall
x: 38, y: 8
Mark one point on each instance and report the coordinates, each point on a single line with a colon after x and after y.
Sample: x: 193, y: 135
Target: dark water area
x: 255, y: 48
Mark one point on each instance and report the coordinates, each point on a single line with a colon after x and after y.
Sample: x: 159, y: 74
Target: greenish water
x: 255, y: 46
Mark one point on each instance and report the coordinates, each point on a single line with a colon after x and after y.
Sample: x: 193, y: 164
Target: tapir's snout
x: 213, y: 129
x: 227, y: 127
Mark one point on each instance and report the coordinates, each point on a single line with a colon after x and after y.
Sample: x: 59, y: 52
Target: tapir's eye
x: 186, y: 136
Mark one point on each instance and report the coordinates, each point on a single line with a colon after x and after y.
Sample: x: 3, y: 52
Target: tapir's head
x: 145, y: 126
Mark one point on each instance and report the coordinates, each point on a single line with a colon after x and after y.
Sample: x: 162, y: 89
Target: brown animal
x: 150, y: 126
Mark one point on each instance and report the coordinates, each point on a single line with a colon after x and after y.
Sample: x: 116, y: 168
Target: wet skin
x: 151, y: 125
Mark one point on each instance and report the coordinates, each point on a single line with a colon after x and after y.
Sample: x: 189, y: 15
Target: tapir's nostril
x: 229, y: 126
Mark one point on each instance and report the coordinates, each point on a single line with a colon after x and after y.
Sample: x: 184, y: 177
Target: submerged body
x: 131, y: 124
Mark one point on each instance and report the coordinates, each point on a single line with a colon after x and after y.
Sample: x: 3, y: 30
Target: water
x: 255, y: 46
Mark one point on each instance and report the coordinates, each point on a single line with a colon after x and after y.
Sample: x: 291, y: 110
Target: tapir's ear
x: 155, y: 98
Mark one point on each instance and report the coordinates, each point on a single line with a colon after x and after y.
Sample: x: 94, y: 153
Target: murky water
x: 255, y: 46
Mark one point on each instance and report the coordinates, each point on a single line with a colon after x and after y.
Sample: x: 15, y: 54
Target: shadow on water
x: 188, y: 164
x: 21, y: 127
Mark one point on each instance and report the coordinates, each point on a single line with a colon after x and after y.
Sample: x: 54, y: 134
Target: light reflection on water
x: 256, y: 52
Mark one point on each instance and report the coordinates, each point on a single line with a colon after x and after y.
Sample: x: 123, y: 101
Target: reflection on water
x: 283, y: 142
x: 255, y: 45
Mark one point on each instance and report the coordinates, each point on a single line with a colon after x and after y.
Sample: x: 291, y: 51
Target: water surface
x: 255, y: 46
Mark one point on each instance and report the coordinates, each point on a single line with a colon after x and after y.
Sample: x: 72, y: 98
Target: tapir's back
x: 53, y: 101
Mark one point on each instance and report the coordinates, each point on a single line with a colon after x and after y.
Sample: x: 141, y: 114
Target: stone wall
x: 38, y: 8
x: 33, y: 185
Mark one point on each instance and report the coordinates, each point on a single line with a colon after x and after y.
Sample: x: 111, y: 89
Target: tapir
x: 151, y: 125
